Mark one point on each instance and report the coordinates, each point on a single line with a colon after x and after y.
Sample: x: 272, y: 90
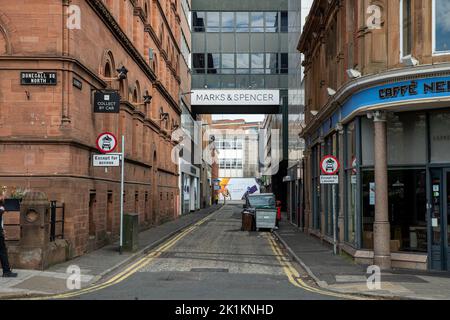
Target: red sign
x: 330, y: 165
x: 106, y: 142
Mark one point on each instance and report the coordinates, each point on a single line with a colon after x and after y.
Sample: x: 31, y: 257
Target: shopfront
x: 415, y: 118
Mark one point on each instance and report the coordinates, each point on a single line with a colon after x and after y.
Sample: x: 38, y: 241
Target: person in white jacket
x: 7, y: 272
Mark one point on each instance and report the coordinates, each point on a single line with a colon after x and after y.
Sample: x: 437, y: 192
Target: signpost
x: 330, y: 167
x: 38, y: 78
x: 106, y: 144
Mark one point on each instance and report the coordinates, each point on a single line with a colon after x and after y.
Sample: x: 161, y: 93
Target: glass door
x: 440, y: 219
x: 446, y: 213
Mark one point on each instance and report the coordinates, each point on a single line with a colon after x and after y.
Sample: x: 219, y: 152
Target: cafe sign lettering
x: 38, y: 78
x: 413, y: 89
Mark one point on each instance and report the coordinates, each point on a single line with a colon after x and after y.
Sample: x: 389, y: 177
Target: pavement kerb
x: 323, y: 284
x: 134, y: 256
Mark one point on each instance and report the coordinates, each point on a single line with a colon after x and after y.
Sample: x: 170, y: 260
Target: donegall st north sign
x: 235, y: 97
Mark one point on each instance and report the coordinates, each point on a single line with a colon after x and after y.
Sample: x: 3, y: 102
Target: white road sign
x: 329, y: 179
x: 106, y: 160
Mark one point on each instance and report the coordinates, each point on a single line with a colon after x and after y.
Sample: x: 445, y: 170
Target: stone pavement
x: 339, y: 273
x: 94, y: 265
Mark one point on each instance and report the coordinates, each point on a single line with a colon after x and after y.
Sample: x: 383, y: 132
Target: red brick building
x: 48, y: 132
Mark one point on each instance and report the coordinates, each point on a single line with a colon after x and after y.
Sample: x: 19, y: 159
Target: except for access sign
x: 106, y: 142
x: 106, y: 160
x: 107, y: 102
x: 329, y: 165
x: 329, y: 179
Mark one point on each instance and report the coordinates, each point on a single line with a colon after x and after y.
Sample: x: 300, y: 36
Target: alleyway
x: 213, y: 259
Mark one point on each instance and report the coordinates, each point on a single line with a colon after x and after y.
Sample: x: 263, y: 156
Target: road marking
x: 294, y: 276
x: 134, y: 268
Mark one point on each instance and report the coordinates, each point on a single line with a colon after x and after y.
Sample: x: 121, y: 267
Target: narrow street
x: 212, y: 260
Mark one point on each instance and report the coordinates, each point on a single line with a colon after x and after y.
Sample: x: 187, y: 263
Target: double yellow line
x: 294, y: 276
x: 132, y: 269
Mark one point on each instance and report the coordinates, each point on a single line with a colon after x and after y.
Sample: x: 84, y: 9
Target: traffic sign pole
x: 122, y: 190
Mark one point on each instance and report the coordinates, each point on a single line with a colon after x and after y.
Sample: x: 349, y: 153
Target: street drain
x: 209, y: 270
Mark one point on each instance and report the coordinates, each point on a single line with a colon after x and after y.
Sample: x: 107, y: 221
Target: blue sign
x: 429, y: 88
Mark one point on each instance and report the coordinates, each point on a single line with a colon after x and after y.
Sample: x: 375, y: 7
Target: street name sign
x: 38, y: 78
x: 106, y: 160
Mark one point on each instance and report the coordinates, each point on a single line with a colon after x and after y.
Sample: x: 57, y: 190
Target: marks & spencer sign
x: 38, y: 78
x: 235, y: 97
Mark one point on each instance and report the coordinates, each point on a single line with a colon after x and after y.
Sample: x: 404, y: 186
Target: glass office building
x: 243, y: 45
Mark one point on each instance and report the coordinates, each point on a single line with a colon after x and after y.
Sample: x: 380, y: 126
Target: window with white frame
x: 406, y: 28
x: 441, y: 26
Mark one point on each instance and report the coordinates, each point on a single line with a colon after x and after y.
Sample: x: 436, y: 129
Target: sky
x: 247, y: 117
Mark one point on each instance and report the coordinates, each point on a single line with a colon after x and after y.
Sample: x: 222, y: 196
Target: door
x: 440, y: 219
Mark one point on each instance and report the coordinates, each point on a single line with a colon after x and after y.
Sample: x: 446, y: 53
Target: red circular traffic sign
x: 106, y: 142
x: 330, y: 165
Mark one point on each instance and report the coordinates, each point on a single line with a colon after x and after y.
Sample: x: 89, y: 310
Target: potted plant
x: 12, y: 202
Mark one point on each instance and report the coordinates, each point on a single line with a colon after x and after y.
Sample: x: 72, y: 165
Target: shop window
x: 407, y: 209
x: 243, y: 63
x: 441, y: 26
x: 440, y: 137
x: 272, y: 63
x: 284, y: 63
x: 407, y: 138
x: 316, y: 188
x: 257, y: 63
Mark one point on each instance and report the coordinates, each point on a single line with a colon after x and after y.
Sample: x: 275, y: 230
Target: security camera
x: 331, y: 92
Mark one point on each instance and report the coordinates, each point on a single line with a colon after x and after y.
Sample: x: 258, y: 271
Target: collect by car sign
x: 107, y: 102
x: 106, y: 142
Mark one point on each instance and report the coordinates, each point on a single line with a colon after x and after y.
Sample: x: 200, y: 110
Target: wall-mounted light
x: 410, y: 61
x: 331, y: 92
x: 353, y: 74
x: 122, y: 74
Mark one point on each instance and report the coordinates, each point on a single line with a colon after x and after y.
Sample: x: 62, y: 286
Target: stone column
x: 382, y: 233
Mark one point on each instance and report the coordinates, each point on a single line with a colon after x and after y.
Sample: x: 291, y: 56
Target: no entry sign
x: 329, y: 165
x: 106, y: 142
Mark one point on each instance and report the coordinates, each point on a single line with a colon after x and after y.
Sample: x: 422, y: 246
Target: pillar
x: 382, y: 233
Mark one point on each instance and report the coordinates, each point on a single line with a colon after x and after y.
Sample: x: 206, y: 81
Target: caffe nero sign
x: 107, y: 102
x: 414, y: 89
x: 38, y: 78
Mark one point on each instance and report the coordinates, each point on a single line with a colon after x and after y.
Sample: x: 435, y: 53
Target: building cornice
x: 354, y: 86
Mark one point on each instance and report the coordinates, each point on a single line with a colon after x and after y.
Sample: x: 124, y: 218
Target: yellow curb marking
x: 294, y: 276
x: 132, y: 269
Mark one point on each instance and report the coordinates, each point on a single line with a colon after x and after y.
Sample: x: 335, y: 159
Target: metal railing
x: 57, y: 217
